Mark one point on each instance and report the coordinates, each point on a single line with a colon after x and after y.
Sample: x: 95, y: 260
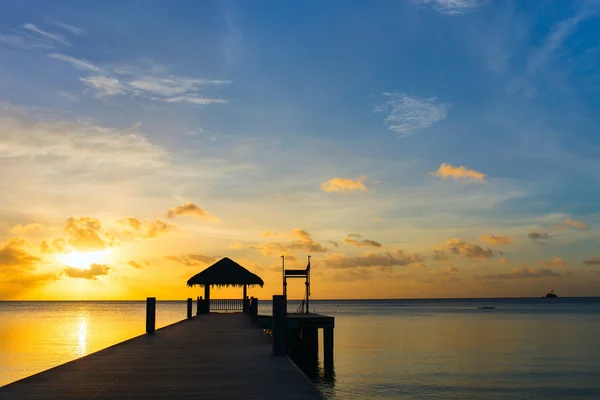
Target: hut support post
x: 279, y: 325
x: 207, y: 296
x: 150, y: 314
x: 244, y: 295
x: 189, y: 307
x: 198, y: 305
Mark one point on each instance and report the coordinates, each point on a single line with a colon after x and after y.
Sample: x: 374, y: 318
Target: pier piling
x: 150, y: 314
x: 279, y: 325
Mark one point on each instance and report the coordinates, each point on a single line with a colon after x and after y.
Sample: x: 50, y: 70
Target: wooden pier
x: 210, y: 356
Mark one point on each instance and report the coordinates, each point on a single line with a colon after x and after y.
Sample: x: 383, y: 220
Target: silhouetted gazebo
x: 225, y: 272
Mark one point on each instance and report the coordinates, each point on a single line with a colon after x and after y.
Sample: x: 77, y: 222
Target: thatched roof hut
x: 225, y: 272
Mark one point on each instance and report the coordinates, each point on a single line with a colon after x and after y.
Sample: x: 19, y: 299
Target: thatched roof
x: 225, y: 272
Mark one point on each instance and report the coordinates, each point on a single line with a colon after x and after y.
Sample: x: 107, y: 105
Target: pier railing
x: 226, y: 305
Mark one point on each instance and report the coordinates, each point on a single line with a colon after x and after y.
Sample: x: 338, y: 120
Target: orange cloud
x: 192, y: 259
x: 576, y: 224
x: 344, y: 185
x: 92, y: 273
x: 57, y: 245
x: 555, y: 262
x: 20, y: 230
x: 496, y: 240
x: 360, y: 243
x: 134, y: 264
x: 463, y: 248
x: 449, y: 171
x: 86, y: 234
x: 144, y: 229
x: 303, y: 241
x: 13, y: 254
x: 190, y: 209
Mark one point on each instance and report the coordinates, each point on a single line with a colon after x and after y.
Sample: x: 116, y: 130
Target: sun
x: 83, y: 260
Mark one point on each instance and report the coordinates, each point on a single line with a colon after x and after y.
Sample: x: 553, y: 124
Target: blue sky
x: 247, y: 109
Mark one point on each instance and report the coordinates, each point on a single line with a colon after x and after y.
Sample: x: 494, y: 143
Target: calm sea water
x: 397, y: 349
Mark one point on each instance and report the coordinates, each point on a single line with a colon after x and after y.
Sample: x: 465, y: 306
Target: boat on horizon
x: 486, y: 307
x: 550, y: 295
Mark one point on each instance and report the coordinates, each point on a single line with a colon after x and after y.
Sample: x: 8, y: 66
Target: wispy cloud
x: 525, y: 273
x: 69, y: 28
x: 465, y: 249
x: 192, y: 259
x: 192, y: 100
x: 576, y: 224
x: 449, y: 171
x: 104, y: 86
x: 406, y: 114
x: 592, y: 261
x: 23, y: 42
x: 55, y: 37
x: 361, y: 243
x: 452, y: 7
x: 75, y: 62
x: 371, y: 259
x: 344, y: 185
x: 92, y: 273
x: 171, y: 85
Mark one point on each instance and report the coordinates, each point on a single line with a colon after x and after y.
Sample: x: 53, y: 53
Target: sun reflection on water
x: 82, y: 336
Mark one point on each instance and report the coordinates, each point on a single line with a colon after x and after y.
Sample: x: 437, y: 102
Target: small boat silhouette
x: 550, y: 295
x: 486, y: 307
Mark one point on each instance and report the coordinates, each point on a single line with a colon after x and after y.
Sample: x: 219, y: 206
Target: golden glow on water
x: 82, y: 336
x: 84, y: 260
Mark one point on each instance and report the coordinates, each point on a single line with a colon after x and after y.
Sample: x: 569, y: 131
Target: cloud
x: 23, y: 42
x: 538, y: 235
x: 555, y: 262
x: 344, y: 185
x: 303, y: 241
x: 496, y: 240
x: 190, y: 209
x: 361, y: 243
x: 576, y: 224
x: 465, y: 249
x: 592, y: 261
x: 13, y: 254
x: 449, y: 171
x: 406, y: 114
x: 86, y: 234
x: 354, y: 235
x: 172, y: 85
x: 371, y: 259
x: 69, y: 28
x: 439, y: 255
x: 57, y: 245
x: 452, y: 7
x: 505, y: 260
x: 104, y: 85
x: 192, y: 259
x: 67, y: 95
x: 449, y: 270
x: 20, y: 230
x: 524, y: 273
x: 87, y: 146
x: 92, y: 273
x: 270, y: 234
x: 134, y: 264
x: 192, y: 100
x: 55, y: 37
x: 144, y: 229
x: 75, y: 62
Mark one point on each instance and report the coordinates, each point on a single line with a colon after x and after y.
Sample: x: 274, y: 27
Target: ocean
x: 384, y: 349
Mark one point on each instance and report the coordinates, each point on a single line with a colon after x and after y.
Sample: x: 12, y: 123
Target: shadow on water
x: 309, y: 363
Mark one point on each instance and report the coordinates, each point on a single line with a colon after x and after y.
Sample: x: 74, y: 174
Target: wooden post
x: 207, y: 296
x: 189, y: 307
x: 244, y: 295
x: 279, y: 325
x: 150, y: 314
x: 328, y: 347
x: 198, y: 305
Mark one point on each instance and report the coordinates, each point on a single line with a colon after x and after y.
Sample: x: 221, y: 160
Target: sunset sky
x: 415, y: 149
